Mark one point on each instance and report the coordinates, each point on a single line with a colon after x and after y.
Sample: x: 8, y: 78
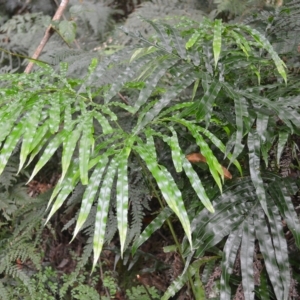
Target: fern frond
x: 3, y: 291
x: 247, y: 222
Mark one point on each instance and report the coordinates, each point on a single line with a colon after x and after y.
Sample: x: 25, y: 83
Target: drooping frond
x: 239, y: 215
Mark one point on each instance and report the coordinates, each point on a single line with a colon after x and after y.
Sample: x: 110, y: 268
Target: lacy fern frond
x: 20, y: 36
x: 97, y: 16
x: 16, y: 36
x: 3, y: 291
x: 282, y: 27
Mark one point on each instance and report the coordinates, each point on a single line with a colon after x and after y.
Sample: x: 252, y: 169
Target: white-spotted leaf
x: 89, y: 194
x: 49, y: 151
x: 217, y: 40
x: 102, y: 210
x: 122, y: 196
x: 32, y: 121
x: 10, y: 143
x: 167, y: 185
x: 196, y: 184
x: 85, y: 145
x: 69, y: 146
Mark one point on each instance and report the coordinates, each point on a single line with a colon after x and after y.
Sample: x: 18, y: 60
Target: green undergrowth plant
x: 141, y: 292
x: 21, y: 229
x: 136, y: 114
x: 46, y: 285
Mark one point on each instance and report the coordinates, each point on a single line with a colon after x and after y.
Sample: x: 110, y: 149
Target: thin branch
x: 47, y: 35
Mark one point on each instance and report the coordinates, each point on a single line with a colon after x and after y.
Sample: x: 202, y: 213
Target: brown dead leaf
x: 198, y: 157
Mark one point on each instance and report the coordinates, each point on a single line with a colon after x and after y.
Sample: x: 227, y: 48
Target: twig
x: 123, y: 98
x: 102, y: 278
x: 64, y: 17
x: 48, y: 33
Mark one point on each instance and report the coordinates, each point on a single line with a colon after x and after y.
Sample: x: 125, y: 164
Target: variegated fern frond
x: 240, y: 215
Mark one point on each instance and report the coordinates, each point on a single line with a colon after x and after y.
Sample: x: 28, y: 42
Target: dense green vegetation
x: 165, y: 150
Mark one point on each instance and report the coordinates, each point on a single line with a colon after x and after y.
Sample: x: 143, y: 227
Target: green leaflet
x: 122, y: 194
x: 69, y: 146
x: 128, y: 75
x: 246, y: 254
x: 282, y: 140
x: 8, y: 119
x: 195, y: 88
x: 241, y: 42
x: 229, y: 255
x: 140, y: 51
x: 150, y: 142
x: 63, y: 69
x: 267, y: 250
x: 49, y: 151
x: 85, y: 82
x: 241, y: 109
x: 68, y: 116
x: 262, y: 126
x: 102, y: 210
x: 164, y: 214
x: 39, y: 135
x: 32, y: 122
x: 54, y: 111
x: 180, y: 162
x: 197, y: 185
x: 217, y: 40
x: 152, y: 81
x: 198, y: 287
x: 220, y: 146
x: 281, y: 194
x: 86, y: 143
x: 112, y: 115
x: 205, y: 105
x: 177, y: 154
x: 64, y: 191
x: 164, y: 37
x: 168, y: 187
x: 280, y: 247
x: 10, y: 143
x: 264, y: 43
x: 42, y: 137
x: 193, y: 39
x: 72, y: 177
x: 92, y: 67
x: 175, y: 108
x: 264, y: 286
x: 254, y: 164
x: 142, y: 114
x: 187, y: 78
x: 89, y: 194
x: 181, y: 280
x: 103, y: 122
x: 214, y: 166
x: 178, y: 41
